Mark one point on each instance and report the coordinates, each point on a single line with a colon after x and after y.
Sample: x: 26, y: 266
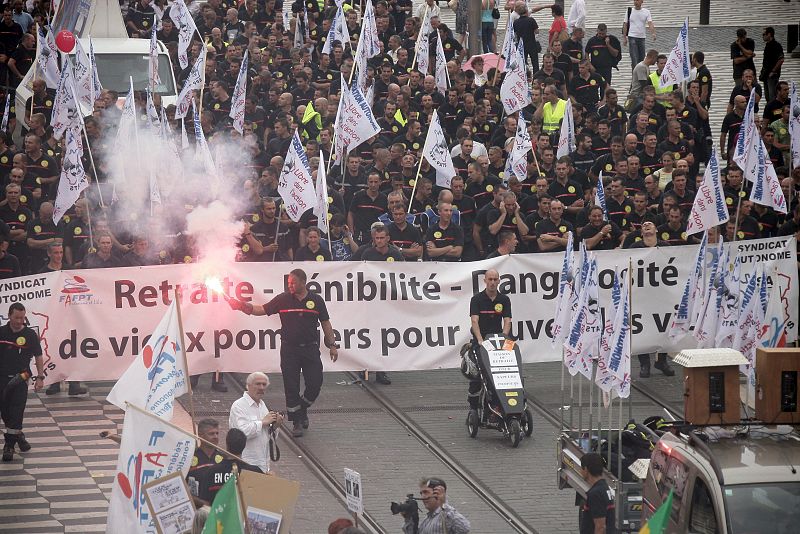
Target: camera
x: 408, y: 508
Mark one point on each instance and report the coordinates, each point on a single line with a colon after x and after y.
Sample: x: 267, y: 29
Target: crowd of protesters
x: 649, y: 143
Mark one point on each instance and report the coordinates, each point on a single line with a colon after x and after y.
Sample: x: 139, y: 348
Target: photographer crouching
x: 441, y: 517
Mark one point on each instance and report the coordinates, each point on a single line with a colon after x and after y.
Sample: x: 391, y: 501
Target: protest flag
x: 321, y: 206
x: 677, y: 67
x: 709, y: 208
x: 239, y: 94
x: 567, y: 295
x: 684, y: 316
x: 295, y: 184
x: 226, y: 514
x: 73, y: 179
x: 658, y: 522
x: 600, y: 196
x: 437, y: 152
x: 566, y: 139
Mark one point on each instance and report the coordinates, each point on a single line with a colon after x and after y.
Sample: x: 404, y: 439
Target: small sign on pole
x: 170, y: 504
x: 355, y: 498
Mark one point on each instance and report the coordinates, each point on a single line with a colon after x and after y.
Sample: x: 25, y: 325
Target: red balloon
x: 65, y: 41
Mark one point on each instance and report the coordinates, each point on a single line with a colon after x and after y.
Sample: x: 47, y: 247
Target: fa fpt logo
x: 76, y: 291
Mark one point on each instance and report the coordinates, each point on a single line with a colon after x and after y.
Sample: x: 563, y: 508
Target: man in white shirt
x: 577, y: 16
x: 432, y: 7
x: 250, y: 415
x: 637, y: 20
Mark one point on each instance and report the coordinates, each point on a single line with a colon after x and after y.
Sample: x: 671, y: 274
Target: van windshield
x: 756, y: 508
x: 115, y: 71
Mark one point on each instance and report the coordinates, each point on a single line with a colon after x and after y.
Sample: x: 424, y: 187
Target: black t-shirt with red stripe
x: 299, y: 318
x: 490, y: 312
x: 17, y: 349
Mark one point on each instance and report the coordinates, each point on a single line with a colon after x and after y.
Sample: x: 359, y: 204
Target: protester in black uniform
x: 597, y: 511
x: 300, y: 312
x: 9, y: 264
x: 212, y: 477
x: 380, y: 249
x: 18, y: 344
x: 490, y: 313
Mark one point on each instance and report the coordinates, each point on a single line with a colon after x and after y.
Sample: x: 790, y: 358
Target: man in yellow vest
x: 663, y: 94
x: 550, y: 110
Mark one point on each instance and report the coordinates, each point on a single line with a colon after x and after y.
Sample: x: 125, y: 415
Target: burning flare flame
x: 213, y: 283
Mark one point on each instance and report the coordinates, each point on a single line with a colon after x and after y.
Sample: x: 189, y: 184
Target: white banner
x: 399, y: 316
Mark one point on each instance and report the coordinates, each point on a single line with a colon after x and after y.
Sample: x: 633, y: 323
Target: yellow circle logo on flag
x: 437, y: 235
x: 571, y: 189
x: 390, y: 259
x: 498, y: 307
x: 627, y: 209
x: 512, y: 402
x: 245, y: 248
x: 320, y: 257
x: 78, y: 230
x: 665, y: 235
x: 490, y: 188
x: 37, y: 229
x: 562, y: 228
x: 310, y: 305
x: 20, y: 341
x: 45, y: 164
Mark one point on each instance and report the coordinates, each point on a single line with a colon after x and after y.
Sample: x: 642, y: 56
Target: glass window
x: 115, y: 71
x: 702, y: 519
x: 757, y: 508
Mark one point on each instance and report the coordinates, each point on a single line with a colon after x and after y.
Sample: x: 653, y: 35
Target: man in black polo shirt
x: 444, y: 240
x: 551, y: 233
x: 300, y: 312
x: 405, y: 237
x: 18, y: 344
x: 380, y: 249
x: 367, y: 205
x: 586, y: 87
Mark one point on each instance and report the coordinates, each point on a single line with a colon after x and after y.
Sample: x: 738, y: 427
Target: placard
x: 170, y: 504
x: 352, y: 485
x: 262, y: 522
x: 507, y: 381
x: 502, y: 358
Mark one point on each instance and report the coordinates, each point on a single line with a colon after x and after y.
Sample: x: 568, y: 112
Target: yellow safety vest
x: 654, y: 79
x: 551, y: 117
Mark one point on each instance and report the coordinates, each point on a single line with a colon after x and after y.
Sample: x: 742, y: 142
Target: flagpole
x: 178, y: 300
x: 630, y: 346
x: 738, y: 207
x: 277, y: 232
x: 35, y: 65
x: 416, y: 181
x: 179, y: 429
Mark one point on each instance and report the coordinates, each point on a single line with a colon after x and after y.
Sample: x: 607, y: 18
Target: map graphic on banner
x: 429, y: 305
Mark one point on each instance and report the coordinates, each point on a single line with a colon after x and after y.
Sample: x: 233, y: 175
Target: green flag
x: 226, y: 515
x: 657, y: 523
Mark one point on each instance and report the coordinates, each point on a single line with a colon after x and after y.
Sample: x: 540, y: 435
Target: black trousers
x: 294, y: 362
x: 12, y: 405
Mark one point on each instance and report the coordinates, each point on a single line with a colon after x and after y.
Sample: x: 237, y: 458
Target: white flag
x: 776, y: 318
x: 705, y: 326
x: 746, y: 338
x: 423, y: 48
x: 321, y: 206
x: 677, y: 67
x: 566, y: 139
x: 47, y: 58
x: 295, y: 185
x: 729, y: 301
x: 566, y: 299
x: 150, y: 449
x: 83, y: 77
x: 153, y: 117
x: 194, y: 82
x: 440, y: 68
x: 368, y: 42
x: 709, y: 208
x: 239, y: 94
x: 619, y: 360
x: 127, y: 123
x: 685, y: 315
x: 514, y: 91
x: 336, y: 32
x: 73, y: 177
x: 6, y: 113
x: 186, y: 29
x: 767, y: 189
x: 794, y: 126
x: 508, y: 43
x: 600, y: 196
x: 605, y: 379
x: 586, y: 326
x: 747, y: 137
x: 517, y: 162
x: 437, y: 153
x: 202, y: 152
x: 65, y: 108
x: 97, y: 87
x: 299, y: 33
x: 355, y: 122
x: 158, y: 375
x: 153, y: 75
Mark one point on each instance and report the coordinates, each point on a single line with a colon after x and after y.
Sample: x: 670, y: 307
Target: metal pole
x: 591, y: 400
x: 580, y: 410
x: 561, y: 426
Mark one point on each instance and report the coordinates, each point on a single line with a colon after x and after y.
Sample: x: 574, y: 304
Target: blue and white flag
x: 437, y: 153
x: 766, y: 190
x: 153, y: 117
x: 152, y: 60
x: 686, y: 313
x: 748, y: 329
x: 440, y: 67
x: 728, y: 314
x: 567, y: 297
x: 514, y: 91
x: 65, y: 107
x: 369, y: 42
x: 709, y: 208
x: 776, y: 317
x: 619, y: 360
x: 202, y: 152
x: 6, y: 113
x: 47, y: 57
x: 321, y: 206
x: 73, y: 180
x: 605, y: 379
x: 705, y: 327
x: 186, y: 27
x: 600, y: 196
x: 508, y: 43
x: 239, y: 94
x: 746, y: 140
x: 422, y: 50
x: 295, y: 184
x: 677, y: 68
x: 355, y: 122
x: 194, y: 82
x: 586, y: 326
x: 336, y: 32
x: 566, y: 139
x: 517, y: 162
x: 96, y: 87
x: 794, y: 126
